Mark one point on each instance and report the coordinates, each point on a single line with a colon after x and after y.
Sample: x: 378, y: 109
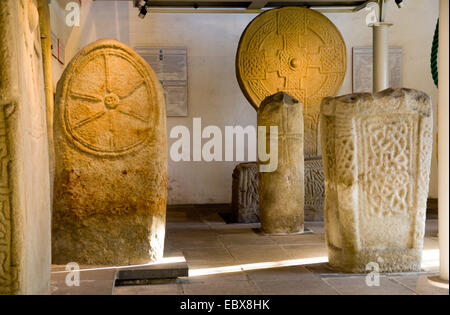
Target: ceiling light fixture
x: 142, y: 6
x: 399, y: 3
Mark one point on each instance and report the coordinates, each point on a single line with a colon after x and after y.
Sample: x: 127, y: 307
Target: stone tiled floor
x: 235, y: 259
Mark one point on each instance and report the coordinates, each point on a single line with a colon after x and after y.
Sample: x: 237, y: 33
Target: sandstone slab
x: 46, y: 43
x: 25, y: 259
x: 111, y: 160
x: 281, y: 192
x: 244, y: 205
x: 314, y: 189
x: 376, y: 152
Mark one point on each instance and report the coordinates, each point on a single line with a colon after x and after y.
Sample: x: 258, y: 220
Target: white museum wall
x: 214, y: 94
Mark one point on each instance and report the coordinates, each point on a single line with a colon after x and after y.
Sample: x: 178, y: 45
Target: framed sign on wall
x: 170, y: 66
x: 363, y: 68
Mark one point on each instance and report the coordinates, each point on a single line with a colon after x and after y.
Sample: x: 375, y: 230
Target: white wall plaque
x: 170, y: 65
x: 363, y: 68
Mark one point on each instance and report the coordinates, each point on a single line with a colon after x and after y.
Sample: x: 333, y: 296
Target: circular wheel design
x: 109, y: 102
x: 297, y: 51
x: 294, y: 50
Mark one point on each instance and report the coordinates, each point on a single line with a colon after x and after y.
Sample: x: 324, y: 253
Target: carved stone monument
x: 377, y: 152
x: 295, y: 50
x: 46, y: 43
x: 298, y: 51
x: 314, y: 189
x: 25, y: 242
x: 244, y: 204
x: 281, y: 192
x: 111, y: 160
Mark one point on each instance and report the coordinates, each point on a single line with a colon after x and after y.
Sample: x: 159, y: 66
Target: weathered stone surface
x: 24, y: 161
x: 295, y: 50
x: 244, y: 204
x: 245, y: 207
x: 314, y: 189
x: 46, y: 43
x: 281, y: 193
x: 376, y: 152
x: 111, y: 160
x: 301, y: 52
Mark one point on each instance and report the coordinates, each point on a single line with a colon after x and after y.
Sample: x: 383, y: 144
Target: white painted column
x: 443, y: 65
x: 380, y: 56
x: 443, y: 164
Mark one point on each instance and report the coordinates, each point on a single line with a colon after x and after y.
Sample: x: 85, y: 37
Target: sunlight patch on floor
x: 430, y: 261
x: 256, y: 266
x: 163, y: 261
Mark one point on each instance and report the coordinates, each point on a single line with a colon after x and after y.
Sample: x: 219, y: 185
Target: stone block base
x: 109, y: 240
x: 387, y: 260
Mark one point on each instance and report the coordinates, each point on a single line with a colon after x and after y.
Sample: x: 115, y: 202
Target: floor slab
x: 235, y: 259
x: 252, y: 254
x: 358, y: 286
x: 307, y: 285
x: 420, y: 285
x: 221, y: 288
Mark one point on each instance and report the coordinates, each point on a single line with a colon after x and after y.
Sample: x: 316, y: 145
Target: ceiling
x: 252, y: 4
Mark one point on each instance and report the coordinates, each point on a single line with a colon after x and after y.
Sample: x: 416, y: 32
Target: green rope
x: 434, y: 55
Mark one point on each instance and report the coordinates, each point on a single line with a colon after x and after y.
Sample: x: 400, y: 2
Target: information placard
x: 170, y: 65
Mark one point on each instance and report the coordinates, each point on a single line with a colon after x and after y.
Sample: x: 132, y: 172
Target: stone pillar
x: 46, y: 43
x: 25, y: 241
x: 301, y: 52
x: 244, y: 203
x: 281, y: 192
x: 377, y: 154
x: 111, y: 159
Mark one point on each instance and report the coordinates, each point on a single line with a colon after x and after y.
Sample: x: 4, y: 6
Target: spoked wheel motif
x: 109, y: 103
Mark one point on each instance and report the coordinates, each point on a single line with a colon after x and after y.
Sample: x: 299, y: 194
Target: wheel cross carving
x: 292, y: 49
x: 109, y: 103
x: 297, y: 51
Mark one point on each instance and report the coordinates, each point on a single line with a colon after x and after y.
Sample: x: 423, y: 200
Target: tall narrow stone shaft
x: 282, y: 191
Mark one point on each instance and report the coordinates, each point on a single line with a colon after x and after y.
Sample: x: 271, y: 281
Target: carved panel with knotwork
x: 297, y: 51
x: 377, y: 154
